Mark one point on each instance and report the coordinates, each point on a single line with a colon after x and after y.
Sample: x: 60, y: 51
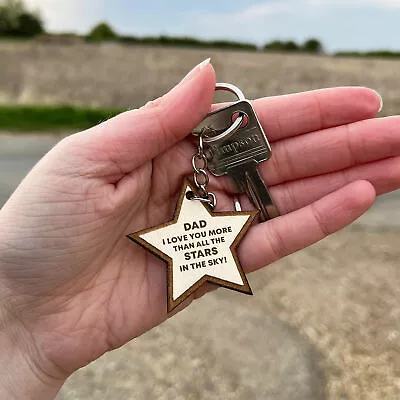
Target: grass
x: 51, y: 118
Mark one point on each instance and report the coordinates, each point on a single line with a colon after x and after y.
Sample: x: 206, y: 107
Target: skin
x: 73, y: 287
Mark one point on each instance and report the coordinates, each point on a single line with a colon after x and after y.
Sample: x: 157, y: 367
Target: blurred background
x: 324, y: 322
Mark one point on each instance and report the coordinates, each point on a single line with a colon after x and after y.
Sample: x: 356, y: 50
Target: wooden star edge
x: 171, y: 303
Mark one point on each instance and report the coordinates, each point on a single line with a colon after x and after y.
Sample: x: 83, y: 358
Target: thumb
x: 134, y: 137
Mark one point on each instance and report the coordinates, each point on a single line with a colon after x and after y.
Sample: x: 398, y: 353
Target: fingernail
x: 381, y: 99
x: 196, y: 69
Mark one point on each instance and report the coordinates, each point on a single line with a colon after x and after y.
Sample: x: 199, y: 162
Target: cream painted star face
x: 199, y: 246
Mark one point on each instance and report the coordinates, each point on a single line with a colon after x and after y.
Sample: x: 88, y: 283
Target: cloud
x: 62, y: 15
x: 252, y: 14
x: 382, y: 4
x: 259, y: 11
x: 253, y: 23
x: 262, y: 10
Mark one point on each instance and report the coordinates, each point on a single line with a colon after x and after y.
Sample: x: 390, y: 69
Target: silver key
x: 235, y: 149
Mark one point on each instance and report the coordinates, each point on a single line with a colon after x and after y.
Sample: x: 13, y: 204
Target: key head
x: 246, y: 145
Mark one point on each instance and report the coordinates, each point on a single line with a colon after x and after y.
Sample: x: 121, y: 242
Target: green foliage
x: 285, y: 46
x: 309, y: 46
x: 291, y: 46
x: 227, y: 44
x: 16, y: 21
x: 102, y: 32
x: 369, y: 54
x: 54, y: 118
x: 348, y: 54
x: 186, y: 41
x: 29, y: 25
x: 276, y: 45
x: 129, y: 39
x: 9, y: 12
x: 313, y: 46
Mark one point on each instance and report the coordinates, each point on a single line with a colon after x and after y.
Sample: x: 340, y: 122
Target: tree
x: 28, y: 25
x: 278, y: 45
x: 9, y: 12
x: 290, y: 46
x: 313, y: 46
x: 102, y: 32
x: 16, y: 20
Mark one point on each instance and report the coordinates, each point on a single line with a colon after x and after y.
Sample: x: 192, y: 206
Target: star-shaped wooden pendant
x: 199, y: 246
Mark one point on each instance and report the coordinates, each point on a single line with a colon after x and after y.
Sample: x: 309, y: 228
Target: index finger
x: 296, y: 114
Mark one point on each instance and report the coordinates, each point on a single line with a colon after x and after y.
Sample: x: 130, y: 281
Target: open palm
x: 80, y: 288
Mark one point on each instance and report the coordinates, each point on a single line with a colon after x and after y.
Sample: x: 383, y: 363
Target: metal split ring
x: 211, y: 199
x: 239, y: 120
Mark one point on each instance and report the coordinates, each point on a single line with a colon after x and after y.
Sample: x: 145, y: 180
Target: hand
x: 72, y: 286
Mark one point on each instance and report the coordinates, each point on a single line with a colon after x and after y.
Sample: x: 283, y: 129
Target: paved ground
x: 324, y: 323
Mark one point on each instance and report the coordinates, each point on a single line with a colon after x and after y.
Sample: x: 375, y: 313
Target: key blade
x: 250, y: 181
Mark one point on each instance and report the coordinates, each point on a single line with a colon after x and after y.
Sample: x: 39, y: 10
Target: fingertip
x: 380, y: 99
x: 199, y: 82
x: 210, y: 75
x: 369, y: 100
x: 349, y: 104
x: 206, y: 79
x: 136, y: 136
x: 190, y: 101
x: 356, y: 198
x: 195, y: 70
x: 363, y: 193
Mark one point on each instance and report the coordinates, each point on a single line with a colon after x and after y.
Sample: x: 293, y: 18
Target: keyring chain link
x: 200, y: 176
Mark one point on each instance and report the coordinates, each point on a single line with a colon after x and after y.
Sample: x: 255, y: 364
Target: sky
x: 339, y: 24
